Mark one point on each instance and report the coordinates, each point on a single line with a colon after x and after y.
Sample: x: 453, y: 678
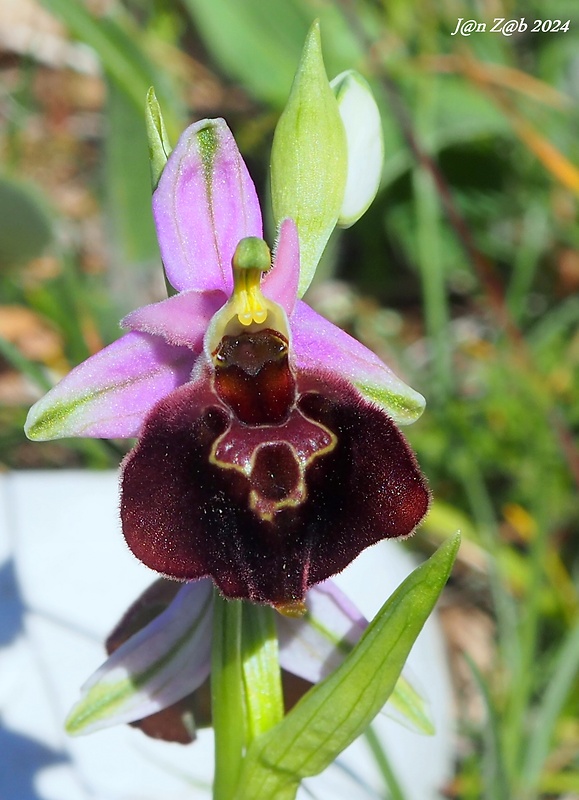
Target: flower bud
x: 361, y: 118
x: 309, y: 159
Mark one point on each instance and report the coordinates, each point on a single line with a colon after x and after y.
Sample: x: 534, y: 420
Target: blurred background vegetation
x: 464, y: 276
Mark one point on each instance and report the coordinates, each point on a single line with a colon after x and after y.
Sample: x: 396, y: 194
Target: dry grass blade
x: 499, y: 76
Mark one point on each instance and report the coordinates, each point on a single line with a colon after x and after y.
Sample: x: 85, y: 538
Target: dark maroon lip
x: 289, y: 504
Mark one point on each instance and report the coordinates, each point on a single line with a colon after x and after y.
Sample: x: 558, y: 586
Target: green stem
x: 496, y: 784
x: 261, y: 673
x: 228, y: 708
x: 521, y: 696
x: 526, y: 260
x: 429, y: 257
x: 484, y: 516
x: 560, y: 684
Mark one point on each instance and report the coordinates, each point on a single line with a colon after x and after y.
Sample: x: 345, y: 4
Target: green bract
x: 159, y: 147
x: 332, y: 714
x: 309, y: 159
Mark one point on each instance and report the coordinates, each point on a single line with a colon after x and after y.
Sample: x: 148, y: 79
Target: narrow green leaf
x: 117, y: 42
x: 332, y: 714
x: 405, y: 705
x: 563, y: 677
x: 128, y: 184
x: 496, y: 782
x: 384, y: 765
x: 256, y: 43
x: 33, y: 371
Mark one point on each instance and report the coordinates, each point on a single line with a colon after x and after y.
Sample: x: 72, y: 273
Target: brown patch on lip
x: 253, y: 377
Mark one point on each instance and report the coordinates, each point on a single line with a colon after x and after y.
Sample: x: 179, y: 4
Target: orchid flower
x: 268, y: 457
x: 268, y: 453
x: 155, y: 666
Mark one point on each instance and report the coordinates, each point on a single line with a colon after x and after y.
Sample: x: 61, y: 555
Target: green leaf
x: 384, y: 765
x: 32, y: 371
x: 128, y: 184
x: 256, y: 43
x: 309, y: 159
x: 335, y: 712
x: 117, y: 42
x: 25, y: 226
x: 495, y: 778
x: 563, y: 678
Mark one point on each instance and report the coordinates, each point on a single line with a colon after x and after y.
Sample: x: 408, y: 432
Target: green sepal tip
x: 159, y: 146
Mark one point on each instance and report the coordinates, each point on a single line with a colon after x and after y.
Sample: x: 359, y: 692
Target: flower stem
x: 228, y: 707
x: 261, y: 673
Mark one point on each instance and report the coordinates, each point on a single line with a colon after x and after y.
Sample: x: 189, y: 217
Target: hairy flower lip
x: 186, y: 514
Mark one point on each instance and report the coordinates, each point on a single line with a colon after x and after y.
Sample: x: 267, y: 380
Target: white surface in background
x: 73, y: 579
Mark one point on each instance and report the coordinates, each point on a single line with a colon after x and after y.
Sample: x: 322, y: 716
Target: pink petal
x: 281, y: 284
x: 109, y: 394
x: 181, y: 320
x: 204, y: 204
x: 320, y: 346
x: 314, y: 645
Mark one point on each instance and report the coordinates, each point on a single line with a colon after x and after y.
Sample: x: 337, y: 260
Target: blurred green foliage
x: 25, y: 227
x: 464, y: 275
